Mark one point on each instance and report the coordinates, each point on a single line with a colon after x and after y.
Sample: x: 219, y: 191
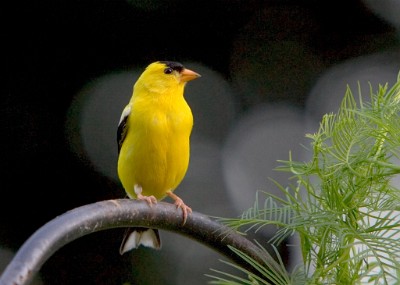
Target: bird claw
x: 151, y: 200
x: 185, y: 210
x: 180, y: 204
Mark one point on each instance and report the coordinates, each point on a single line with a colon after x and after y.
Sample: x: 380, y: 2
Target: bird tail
x: 136, y: 236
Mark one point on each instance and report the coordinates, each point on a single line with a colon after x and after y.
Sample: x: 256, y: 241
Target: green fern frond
x: 343, y: 205
x: 266, y: 276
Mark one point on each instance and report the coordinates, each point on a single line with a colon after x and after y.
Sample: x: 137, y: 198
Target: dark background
x: 54, y: 48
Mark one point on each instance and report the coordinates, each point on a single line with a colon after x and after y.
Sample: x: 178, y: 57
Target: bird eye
x: 168, y: 70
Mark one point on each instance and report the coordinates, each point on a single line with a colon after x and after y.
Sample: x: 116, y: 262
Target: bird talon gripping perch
x: 180, y: 204
x: 153, y: 142
x: 149, y: 199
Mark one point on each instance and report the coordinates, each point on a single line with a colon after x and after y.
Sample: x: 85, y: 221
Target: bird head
x: 164, y: 75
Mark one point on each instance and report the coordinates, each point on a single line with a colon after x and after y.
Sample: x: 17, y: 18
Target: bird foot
x: 180, y: 204
x: 151, y: 200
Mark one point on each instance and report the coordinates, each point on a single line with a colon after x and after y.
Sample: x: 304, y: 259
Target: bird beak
x: 187, y: 75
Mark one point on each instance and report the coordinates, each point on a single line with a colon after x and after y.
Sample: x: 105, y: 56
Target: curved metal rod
x: 124, y: 213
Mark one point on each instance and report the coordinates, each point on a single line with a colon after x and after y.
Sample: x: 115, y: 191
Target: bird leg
x: 180, y: 204
x: 149, y: 199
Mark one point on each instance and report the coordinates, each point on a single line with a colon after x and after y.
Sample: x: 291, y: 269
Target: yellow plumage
x: 154, y: 134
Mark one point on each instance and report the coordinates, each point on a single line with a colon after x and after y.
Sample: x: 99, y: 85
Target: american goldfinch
x: 153, y: 142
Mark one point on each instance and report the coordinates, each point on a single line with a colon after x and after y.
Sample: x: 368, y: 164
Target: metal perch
x: 124, y: 213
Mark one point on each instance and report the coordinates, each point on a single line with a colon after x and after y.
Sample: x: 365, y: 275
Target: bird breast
x: 159, y: 147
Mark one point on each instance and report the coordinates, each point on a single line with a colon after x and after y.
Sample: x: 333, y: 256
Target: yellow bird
x: 153, y: 142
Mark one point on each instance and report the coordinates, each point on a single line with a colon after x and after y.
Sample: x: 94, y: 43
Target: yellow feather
x: 154, y: 152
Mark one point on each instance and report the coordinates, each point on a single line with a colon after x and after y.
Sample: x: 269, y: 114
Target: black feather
x: 174, y: 65
x: 121, y: 132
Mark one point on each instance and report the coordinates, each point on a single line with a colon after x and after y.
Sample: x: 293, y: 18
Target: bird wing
x: 123, y: 126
